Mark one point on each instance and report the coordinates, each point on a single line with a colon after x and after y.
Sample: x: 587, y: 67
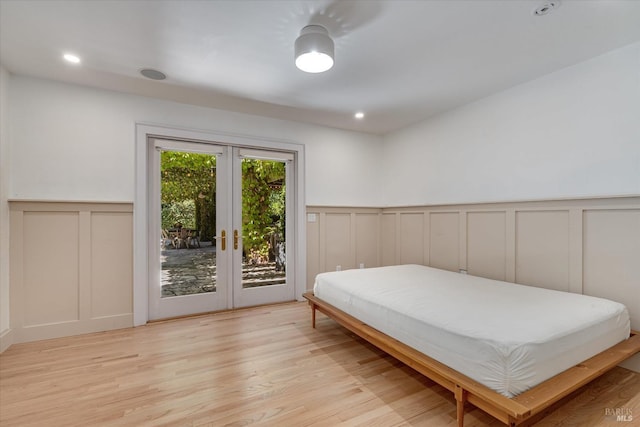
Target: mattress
x: 506, y: 336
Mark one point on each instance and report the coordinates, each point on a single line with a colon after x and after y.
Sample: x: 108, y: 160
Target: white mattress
x: 506, y: 336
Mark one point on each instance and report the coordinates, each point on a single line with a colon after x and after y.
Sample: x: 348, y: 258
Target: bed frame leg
x: 461, y: 398
x: 313, y: 315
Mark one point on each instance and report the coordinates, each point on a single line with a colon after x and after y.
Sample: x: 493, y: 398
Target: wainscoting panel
x: 50, y: 240
x: 71, y: 262
x: 612, y: 256
x: 338, y: 247
x: 345, y: 237
x: 111, y: 288
x: 314, y: 260
x: 388, y: 238
x: 589, y: 246
x: 542, y: 249
x: 412, y: 238
x: 444, y: 245
x: 486, y: 244
x: 367, y: 239
x: 71, y: 268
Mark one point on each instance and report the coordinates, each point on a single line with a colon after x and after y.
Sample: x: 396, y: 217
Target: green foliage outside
x: 189, y: 191
x: 188, y: 198
x: 183, y: 212
x: 263, y: 203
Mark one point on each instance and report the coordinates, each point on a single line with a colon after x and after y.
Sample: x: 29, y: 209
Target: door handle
x: 235, y: 239
x: 223, y: 238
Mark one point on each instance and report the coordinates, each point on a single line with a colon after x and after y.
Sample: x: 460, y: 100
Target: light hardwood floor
x: 263, y: 366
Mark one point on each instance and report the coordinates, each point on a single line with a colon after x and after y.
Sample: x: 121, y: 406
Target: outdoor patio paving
x: 193, y: 271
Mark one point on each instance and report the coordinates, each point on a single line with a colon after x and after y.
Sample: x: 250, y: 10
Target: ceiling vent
x: 153, y: 74
x: 546, y: 8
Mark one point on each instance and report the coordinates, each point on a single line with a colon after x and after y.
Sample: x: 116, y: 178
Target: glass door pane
x: 263, y: 223
x: 261, y: 245
x: 188, y: 215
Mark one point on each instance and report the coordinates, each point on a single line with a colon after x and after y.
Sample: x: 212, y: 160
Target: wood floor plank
x: 264, y: 366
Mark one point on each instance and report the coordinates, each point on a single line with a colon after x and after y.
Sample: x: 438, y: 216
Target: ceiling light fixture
x: 314, y: 49
x: 359, y: 115
x: 71, y: 58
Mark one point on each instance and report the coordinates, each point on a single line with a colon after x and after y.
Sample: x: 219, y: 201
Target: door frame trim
x: 144, y: 132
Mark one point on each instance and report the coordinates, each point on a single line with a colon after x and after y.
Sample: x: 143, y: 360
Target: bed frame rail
x: 512, y: 412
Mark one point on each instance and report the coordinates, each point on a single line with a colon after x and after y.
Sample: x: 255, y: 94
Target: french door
x: 221, y: 235
x: 261, y: 227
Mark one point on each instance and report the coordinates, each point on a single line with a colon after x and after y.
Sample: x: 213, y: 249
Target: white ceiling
x: 398, y: 61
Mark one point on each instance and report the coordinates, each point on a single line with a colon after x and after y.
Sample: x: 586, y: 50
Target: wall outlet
x: 362, y: 265
x: 463, y: 271
x: 338, y: 268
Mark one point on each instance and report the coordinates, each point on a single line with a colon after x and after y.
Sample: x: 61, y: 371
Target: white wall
x: 77, y: 143
x: 4, y: 207
x: 572, y: 133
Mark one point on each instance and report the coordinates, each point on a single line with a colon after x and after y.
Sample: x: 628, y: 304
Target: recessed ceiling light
x: 152, y: 74
x: 71, y: 58
x: 546, y: 8
x: 359, y: 115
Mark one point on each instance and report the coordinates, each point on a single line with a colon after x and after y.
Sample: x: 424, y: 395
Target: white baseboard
x: 71, y: 328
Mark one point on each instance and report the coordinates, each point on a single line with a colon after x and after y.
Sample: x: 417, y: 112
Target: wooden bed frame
x: 522, y: 409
